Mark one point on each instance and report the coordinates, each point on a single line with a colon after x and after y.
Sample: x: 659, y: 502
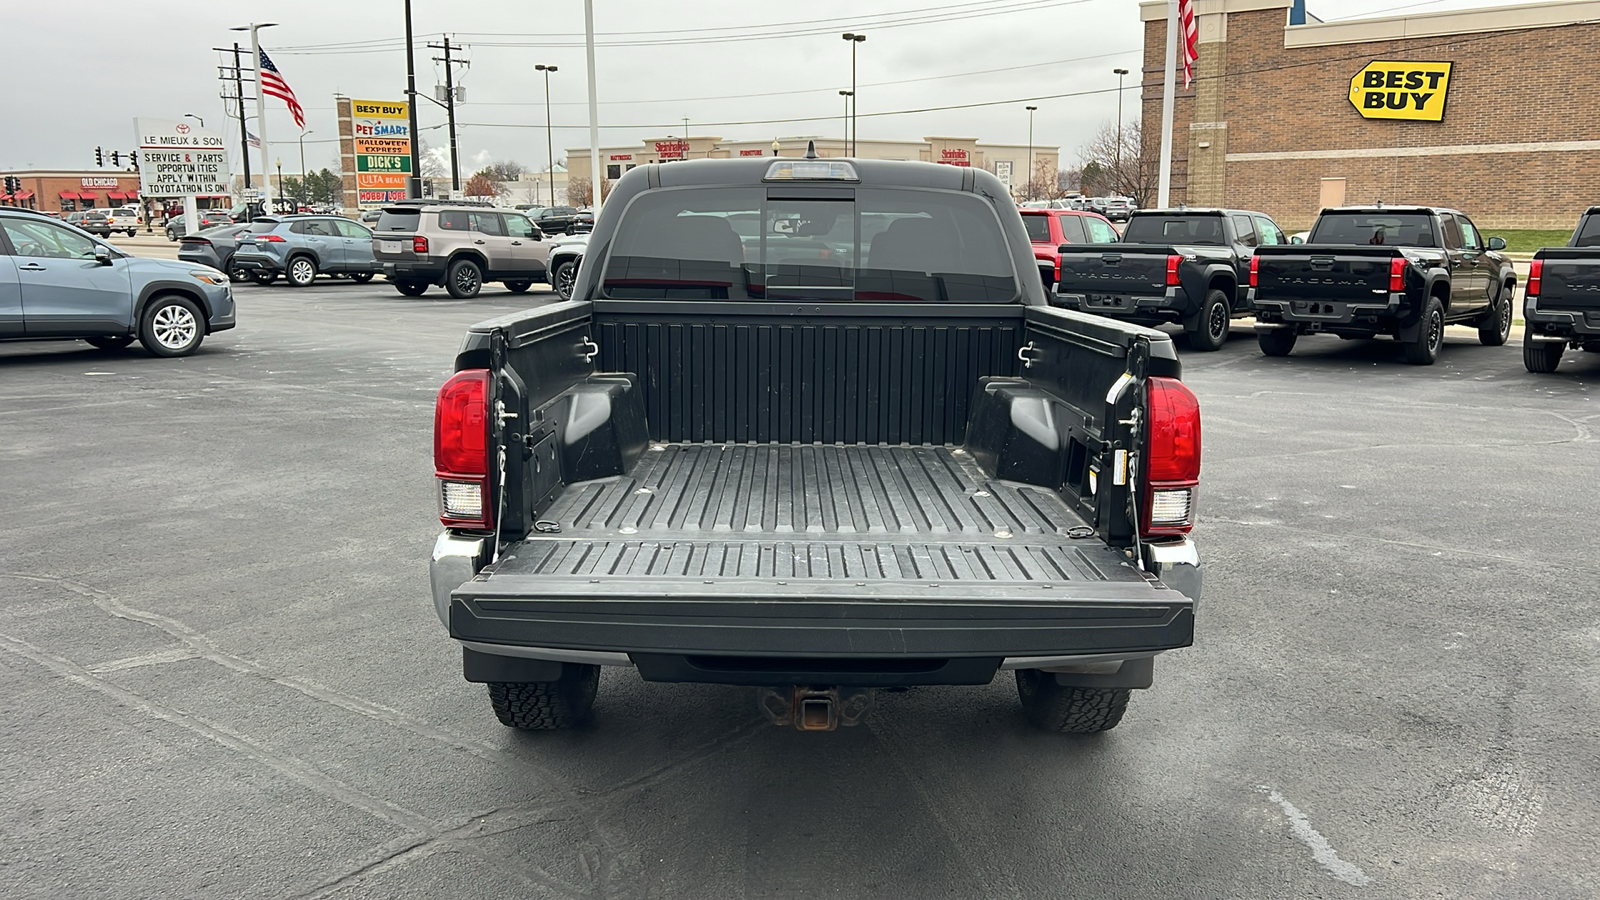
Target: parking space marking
x: 1321, y: 850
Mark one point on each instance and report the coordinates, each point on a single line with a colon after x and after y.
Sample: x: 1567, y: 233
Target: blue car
x: 59, y: 283
x: 302, y: 247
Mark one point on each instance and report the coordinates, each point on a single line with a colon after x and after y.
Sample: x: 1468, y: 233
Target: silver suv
x: 459, y: 248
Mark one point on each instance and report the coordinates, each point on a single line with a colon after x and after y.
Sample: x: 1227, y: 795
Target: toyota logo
x: 182, y: 128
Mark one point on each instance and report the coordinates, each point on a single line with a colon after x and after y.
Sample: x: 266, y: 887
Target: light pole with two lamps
x: 855, y: 135
x: 1121, y: 74
x: 1031, y: 110
x: 261, y: 100
x: 549, y: 141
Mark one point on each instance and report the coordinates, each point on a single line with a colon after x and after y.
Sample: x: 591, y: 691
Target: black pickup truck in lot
x: 1402, y: 271
x: 1172, y: 265
x: 844, y: 446
x: 1561, y: 304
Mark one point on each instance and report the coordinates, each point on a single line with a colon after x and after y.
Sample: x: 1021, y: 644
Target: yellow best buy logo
x: 1414, y: 91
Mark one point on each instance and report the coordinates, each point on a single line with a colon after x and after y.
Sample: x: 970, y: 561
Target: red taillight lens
x: 1397, y: 275
x: 461, y: 450
x: 419, y: 244
x: 1172, y: 270
x: 1535, y: 278
x: 1255, y: 271
x: 1172, y: 475
x: 270, y: 238
x: 196, y: 240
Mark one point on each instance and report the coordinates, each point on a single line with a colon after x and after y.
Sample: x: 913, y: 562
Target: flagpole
x: 261, y: 120
x: 1168, y: 99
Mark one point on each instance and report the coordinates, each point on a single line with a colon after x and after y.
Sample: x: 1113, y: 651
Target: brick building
x: 67, y: 190
x: 1278, y: 116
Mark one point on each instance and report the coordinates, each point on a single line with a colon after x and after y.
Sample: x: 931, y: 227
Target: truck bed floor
x: 863, y: 513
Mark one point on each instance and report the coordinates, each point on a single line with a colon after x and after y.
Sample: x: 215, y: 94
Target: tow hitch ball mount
x: 814, y: 708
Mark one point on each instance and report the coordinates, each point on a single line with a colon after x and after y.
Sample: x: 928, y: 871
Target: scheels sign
x: 1409, y: 91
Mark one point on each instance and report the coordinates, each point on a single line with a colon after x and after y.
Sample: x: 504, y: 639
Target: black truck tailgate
x: 1318, y: 272
x: 816, y: 550
x: 1569, y: 278
x: 1114, y: 269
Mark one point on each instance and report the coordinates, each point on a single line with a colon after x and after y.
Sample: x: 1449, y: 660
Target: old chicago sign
x: 1413, y: 91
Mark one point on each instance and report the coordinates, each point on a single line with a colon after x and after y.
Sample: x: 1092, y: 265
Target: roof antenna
x: 1380, y: 204
x: 811, y: 149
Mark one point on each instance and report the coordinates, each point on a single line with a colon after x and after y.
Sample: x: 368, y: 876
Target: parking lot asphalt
x: 224, y: 676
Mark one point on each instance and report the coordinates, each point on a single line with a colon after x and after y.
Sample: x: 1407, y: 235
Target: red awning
x: 88, y: 195
x: 69, y: 195
x: 131, y: 195
x: 23, y: 195
x: 5, y: 196
x: 116, y: 195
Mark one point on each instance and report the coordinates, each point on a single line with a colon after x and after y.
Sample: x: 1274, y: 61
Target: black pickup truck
x: 846, y: 446
x: 1402, y: 271
x: 1561, y: 304
x: 1173, y: 265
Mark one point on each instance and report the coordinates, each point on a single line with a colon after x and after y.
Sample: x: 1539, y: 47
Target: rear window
x: 262, y: 226
x: 1072, y: 229
x: 1392, y: 229
x: 879, y: 245
x: 455, y: 220
x: 1205, y: 230
x: 399, y: 220
x: 1038, y: 228
x: 1588, y: 232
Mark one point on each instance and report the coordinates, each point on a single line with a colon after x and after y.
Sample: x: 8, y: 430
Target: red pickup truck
x: 1048, y: 229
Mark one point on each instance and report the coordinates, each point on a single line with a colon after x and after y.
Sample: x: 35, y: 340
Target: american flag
x: 273, y: 85
x: 1191, y: 40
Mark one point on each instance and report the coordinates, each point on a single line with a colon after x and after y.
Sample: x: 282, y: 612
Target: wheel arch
x: 157, y: 289
x: 465, y: 253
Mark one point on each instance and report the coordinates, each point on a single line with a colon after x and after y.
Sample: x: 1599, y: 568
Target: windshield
x: 1392, y: 229
x: 743, y: 243
x: 1206, y: 230
x: 1038, y: 228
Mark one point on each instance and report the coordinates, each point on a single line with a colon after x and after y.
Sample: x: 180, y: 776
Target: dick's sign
x: 1411, y: 91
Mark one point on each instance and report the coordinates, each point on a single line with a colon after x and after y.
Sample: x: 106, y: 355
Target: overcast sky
x: 76, y: 81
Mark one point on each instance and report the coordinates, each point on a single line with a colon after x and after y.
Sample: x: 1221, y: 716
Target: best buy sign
x: 1414, y: 91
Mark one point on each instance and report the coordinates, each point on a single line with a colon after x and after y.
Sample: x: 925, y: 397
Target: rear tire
x: 1430, y: 335
x: 361, y: 277
x: 302, y: 271
x: 1211, y: 327
x: 1075, y: 710
x: 411, y: 288
x: 1541, y: 357
x: 563, y: 278
x: 108, y: 342
x: 518, y: 287
x: 1495, y: 328
x: 547, y: 705
x: 1277, y: 342
x: 172, y: 236
x: 464, y: 280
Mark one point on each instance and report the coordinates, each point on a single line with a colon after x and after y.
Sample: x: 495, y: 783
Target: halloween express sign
x: 1410, y: 91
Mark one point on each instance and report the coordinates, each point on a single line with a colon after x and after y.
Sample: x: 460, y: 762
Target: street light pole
x: 196, y: 118
x: 855, y: 107
x: 280, y: 183
x: 261, y: 101
x: 549, y: 141
x: 303, y: 197
x: 1031, y: 178
x: 1121, y: 73
x: 847, y: 95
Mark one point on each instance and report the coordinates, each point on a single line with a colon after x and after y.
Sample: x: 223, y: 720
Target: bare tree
x: 1044, y: 185
x: 578, y: 191
x: 1120, y: 167
x: 505, y: 170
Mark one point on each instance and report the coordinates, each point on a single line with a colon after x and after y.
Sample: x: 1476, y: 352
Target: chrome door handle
x: 32, y: 267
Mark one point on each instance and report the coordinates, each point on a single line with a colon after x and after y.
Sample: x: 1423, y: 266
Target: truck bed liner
x: 866, y: 513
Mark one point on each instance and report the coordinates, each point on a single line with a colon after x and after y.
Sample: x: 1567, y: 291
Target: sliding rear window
x: 1203, y: 230
x: 762, y: 243
x: 1376, y: 229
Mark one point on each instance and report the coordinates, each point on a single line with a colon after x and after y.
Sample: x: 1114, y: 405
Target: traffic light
x: 99, y: 157
x: 116, y: 158
x: 133, y: 160
x: 13, y: 184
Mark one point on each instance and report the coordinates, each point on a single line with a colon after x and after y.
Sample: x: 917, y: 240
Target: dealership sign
x: 178, y: 159
x: 1410, y: 91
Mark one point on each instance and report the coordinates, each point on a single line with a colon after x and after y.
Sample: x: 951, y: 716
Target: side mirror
x: 102, y: 255
x: 1497, y: 243
x: 1296, y: 240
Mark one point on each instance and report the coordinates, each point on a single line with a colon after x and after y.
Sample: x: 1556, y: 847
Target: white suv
x: 123, y: 218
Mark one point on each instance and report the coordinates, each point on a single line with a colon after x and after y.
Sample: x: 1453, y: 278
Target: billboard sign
x: 381, y: 144
x: 178, y: 158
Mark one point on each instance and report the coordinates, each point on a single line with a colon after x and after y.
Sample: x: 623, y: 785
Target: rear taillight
x: 1535, y: 278
x: 419, y: 244
x: 270, y: 238
x: 461, y: 450
x: 1172, y: 475
x: 196, y: 240
x: 1255, y: 271
x: 1172, y: 269
x: 1397, y: 275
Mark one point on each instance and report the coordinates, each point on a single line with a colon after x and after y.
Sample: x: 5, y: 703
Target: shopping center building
x: 1009, y: 162
x: 1491, y: 111
x: 66, y: 191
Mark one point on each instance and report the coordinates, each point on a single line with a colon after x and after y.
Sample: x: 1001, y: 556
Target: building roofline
x: 1156, y: 10
x: 1550, y: 14
x: 68, y: 173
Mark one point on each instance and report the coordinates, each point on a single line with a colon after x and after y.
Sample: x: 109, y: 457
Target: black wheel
x: 132, y: 232
x: 263, y: 278
x: 236, y: 274
x: 546, y: 705
x: 172, y: 326
x: 301, y: 272
x: 464, y: 279
x: 1209, y: 330
x: 565, y: 275
x: 1541, y: 357
x: 1277, y: 342
x: 1494, y: 329
x: 518, y: 287
x: 1078, y: 710
x: 107, y: 342
x: 411, y: 288
x: 172, y: 235
x: 361, y: 277
x: 1430, y: 335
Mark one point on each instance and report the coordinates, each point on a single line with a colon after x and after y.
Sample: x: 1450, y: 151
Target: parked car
x: 461, y: 248
x: 1048, y: 229
x: 644, y: 479
x: 1401, y: 271
x: 126, y: 219
x: 177, y: 227
x: 370, y: 217
x: 1184, y: 266
x: 1117, y: 209
x: 77, y: 218
x: 566, y: 254
x: 302, y: 247
x: 1561, y: 304
x: 57, y: 283
x: 215, y: 247
x: 556, y: 219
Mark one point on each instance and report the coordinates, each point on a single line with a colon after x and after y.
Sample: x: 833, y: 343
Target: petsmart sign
x: 1410, y: 91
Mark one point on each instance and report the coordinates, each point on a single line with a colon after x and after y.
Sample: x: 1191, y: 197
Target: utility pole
x: 244, y: 132
x: 450, y: 109
x: 414, y: 183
